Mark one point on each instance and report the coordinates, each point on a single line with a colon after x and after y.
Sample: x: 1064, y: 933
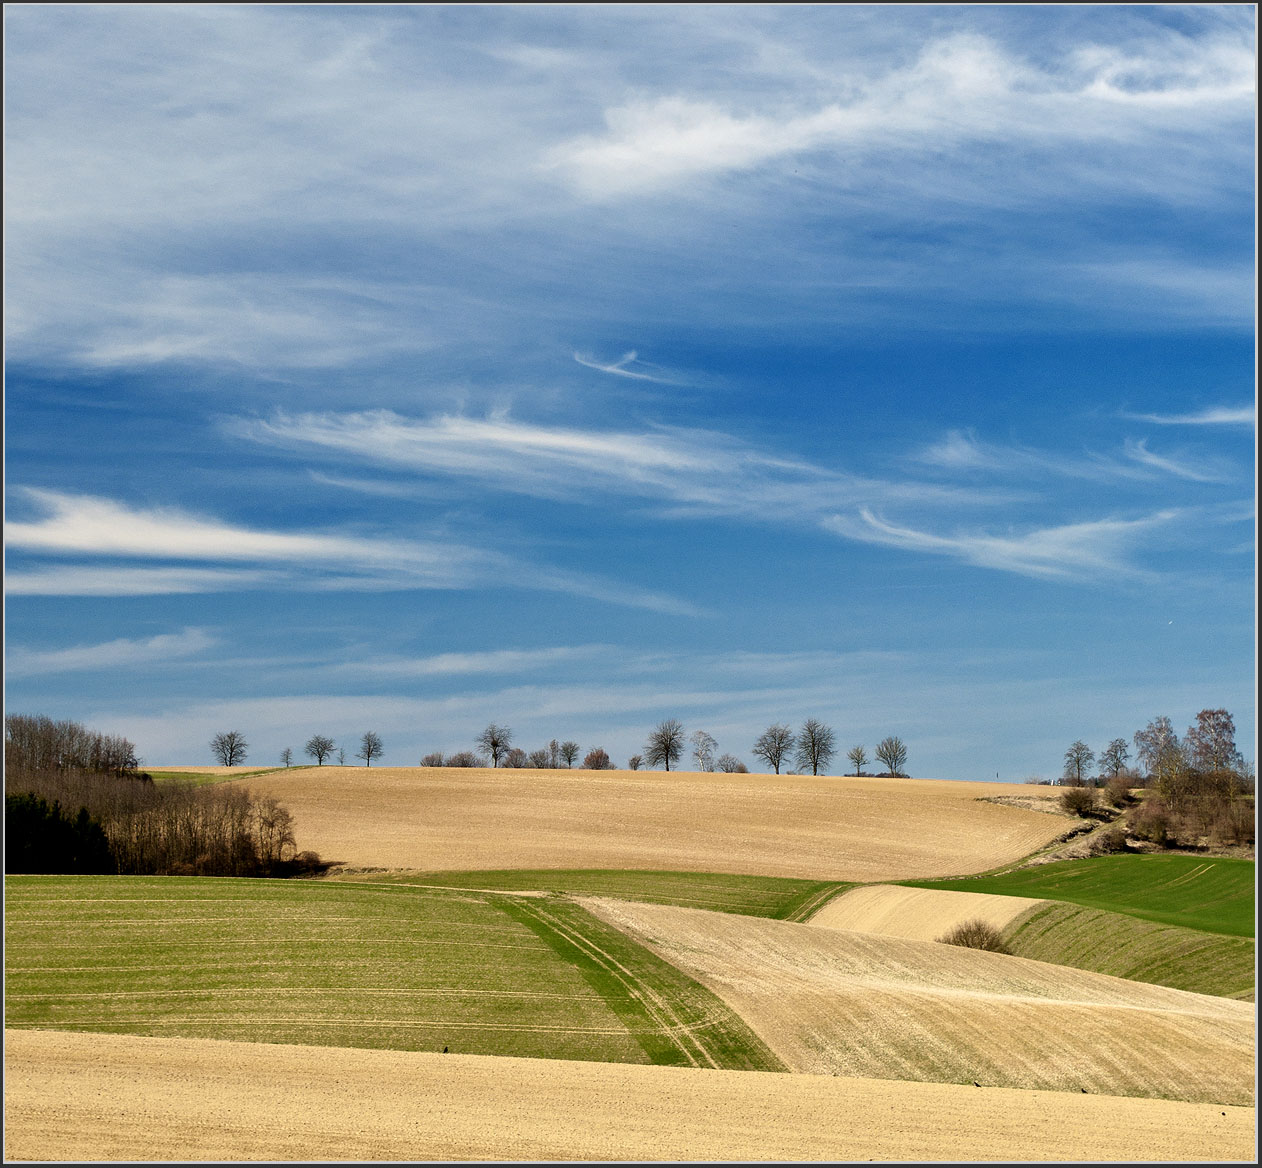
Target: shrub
x: 435, y: 759
x: 465, y: 758
x: 1078, y: 800
x: 540, y: 760
x: 1108, y: 842
x: 634, y: 762
x: 597, y: 760
x: 1117, y: 791
x: 732, y: 765
x: 514, y: 757
x: 1153, y: 821
x: 976, y: 934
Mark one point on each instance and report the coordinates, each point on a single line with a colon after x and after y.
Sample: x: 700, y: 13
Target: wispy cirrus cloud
x: 1073, y: 551
x: 120, y: 653
x: 82, y: 525
x: 963, y: 452
x: 630, y: 365
x: 694, y: 473
x: 687, y: 471
x: 1210, y: 469
x: 1210, y: 416
x: 961, y: 87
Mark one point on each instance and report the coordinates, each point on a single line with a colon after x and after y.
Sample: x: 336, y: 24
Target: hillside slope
x: 825, y: 828
x: 843, y: 1003
x: 75, y: 1097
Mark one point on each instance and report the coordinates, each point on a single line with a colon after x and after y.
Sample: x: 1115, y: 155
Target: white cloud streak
x: 1210, y: 416
x: 629, y: 365
x: 702, y: 472
x: 1072, y: 551
x: 79, y: 525
x: 120, y: 653
x: 692, y: 473
x: 962, y: 87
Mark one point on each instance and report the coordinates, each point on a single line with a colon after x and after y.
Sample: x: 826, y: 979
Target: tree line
x: 1197, y: 788
x: 812, y: 747
x: 69, y: 810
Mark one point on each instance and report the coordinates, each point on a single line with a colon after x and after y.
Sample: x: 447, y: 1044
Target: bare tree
x: 634, y: 762
x: 286, y: 757
x: 858, y: 758
x: 433, y: 760
x: 775, y: 746
x: 539, y: 760
x: 703, y: 748
x: 569, y: 752
x: 370, y: 747
x: 465, y: 758
x: 665, y: 744
x: 893, y: 754
x: 597, y: 760
x: 495, y: 740
x: 341, y: 756
x: 229, y: 747
x: 1078, y: 759
x: 731, y: 765
x: 1158, y: 751
x: 319, y: 747
x: 514, y: 757
x: 815, y: 745
x: 1210, y: 745
x: 1113, y: 757
x: 554, y: 754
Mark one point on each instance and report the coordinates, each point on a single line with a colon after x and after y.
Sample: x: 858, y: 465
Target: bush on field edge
x: 976, y: 934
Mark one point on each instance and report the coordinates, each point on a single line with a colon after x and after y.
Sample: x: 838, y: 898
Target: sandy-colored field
x: 856, y: 1004
x: 919, y: 914
x: 771, y: 825
x: 116, y: 1097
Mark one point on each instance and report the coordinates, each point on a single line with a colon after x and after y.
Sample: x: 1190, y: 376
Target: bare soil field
x: 919, y: 914
x: 77, y: 1097
x: 855, y: 1004
x: 827, y: 828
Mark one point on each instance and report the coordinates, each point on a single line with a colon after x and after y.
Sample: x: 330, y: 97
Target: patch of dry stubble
x: 116, y: 1097
x: 918, y: 914
x: 856, y: 1004
x: 826, y: 828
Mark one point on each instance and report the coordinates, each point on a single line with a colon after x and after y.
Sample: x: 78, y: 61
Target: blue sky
x: 405, y: 369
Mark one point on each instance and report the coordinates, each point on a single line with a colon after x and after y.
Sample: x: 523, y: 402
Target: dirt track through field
x: 854, y: 1004
x: 919, y: 914
x: 865, y: 829
x: 116, y: 1097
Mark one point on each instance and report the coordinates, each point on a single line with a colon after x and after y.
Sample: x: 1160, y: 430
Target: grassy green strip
x: 302, y: 962
x: 1210, y: 894
x: 676, y: 1020
x: 202, y: 779
x: 780, y: 898
x: 1125, y: 946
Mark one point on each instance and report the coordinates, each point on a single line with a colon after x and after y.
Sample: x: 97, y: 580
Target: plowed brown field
x: 115, y: 1097
x: 855, y: 1004
x: 861, y: 829
x: 919, y: 914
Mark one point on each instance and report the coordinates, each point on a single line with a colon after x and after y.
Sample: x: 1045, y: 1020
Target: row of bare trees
x: 35, y: 743
x: 813, y: 747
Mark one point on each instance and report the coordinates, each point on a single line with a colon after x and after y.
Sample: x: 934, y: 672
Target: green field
x: 781, y: 898
x: 1125, y: 946
x: 361, y: 965
x: 204, y: 779
x: 1210, y: 894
